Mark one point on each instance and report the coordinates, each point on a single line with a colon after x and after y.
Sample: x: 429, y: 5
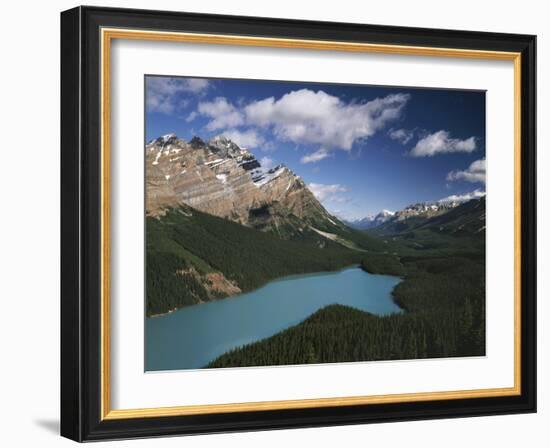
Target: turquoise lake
x: 191, y: 337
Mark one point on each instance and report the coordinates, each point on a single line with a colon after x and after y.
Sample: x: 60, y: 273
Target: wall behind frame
x: 29, y: 230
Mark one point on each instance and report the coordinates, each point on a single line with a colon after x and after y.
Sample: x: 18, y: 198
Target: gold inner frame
x: 107, y: 35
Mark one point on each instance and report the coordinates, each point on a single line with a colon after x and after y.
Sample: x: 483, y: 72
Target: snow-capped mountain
x: 220, y: 178
x: 371, y: 220
x: 425, y: 209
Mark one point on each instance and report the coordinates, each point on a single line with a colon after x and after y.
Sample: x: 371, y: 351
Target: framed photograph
x: 275, y: 224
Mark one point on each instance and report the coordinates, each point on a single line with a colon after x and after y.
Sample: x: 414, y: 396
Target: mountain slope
x: 209, y: 177
x: 464, y: 220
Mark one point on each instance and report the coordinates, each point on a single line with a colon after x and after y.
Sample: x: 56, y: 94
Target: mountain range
x: 419, y: 211
x: 370, y: 221
x: 219, y: 223
x: 457, y: 218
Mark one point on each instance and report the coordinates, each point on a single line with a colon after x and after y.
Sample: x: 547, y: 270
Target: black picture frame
x: 81, y: 224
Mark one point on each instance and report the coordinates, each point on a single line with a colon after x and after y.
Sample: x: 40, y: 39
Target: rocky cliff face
x: 424, y: 209
x: 220, y: 178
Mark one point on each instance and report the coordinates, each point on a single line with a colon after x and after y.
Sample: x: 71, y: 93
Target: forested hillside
x: 185, y: 247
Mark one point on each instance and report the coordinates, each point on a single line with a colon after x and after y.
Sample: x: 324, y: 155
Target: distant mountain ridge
x: 459, y: 218
x: 419, y: 210
x: 370, y: 221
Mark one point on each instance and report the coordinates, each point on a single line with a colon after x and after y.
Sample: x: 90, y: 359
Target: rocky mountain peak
x: 427, y: 208
x: 197, y: 142
x: 225, y: 147
x: 222, y: 179
x: 385, y: 214
x: 261, y: 176
x: 370, y: 221
x: 164, y: 140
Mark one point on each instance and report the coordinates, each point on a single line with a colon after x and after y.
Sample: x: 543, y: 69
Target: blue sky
x: 360, y: 148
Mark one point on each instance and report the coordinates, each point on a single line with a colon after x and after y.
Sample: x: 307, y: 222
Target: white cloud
x: 345, y: 215
x: 476, y: 194
x: 340, y: 199
x: 316, y: 156
x: 162, y: 92
x: 474, y: 173
x: 245, y: 139
x: 183, y: 103
x: 323, y: 191
x: 267, y: 163
x: 440, y: 143
x: 197, y: 85
x: 403, y: 136
x: 222, y: 114
x: 308, y: 117
x: 191, y: 117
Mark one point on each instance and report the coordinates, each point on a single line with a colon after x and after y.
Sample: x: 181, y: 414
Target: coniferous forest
x: 184, y: 246
x: 443, y: 315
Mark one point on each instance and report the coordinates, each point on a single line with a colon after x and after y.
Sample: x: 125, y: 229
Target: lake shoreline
x: 196, y: 335
x: 285, y: 277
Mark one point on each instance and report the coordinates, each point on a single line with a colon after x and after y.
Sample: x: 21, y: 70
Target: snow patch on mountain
x: 166, y: 138
x: 263, y: 177
x: 156, y: 161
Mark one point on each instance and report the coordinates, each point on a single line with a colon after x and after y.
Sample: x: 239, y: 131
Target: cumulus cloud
x: 222, y: 114
x: 305, y: 117
x: 340, y: 199
x: 344, y: 215
x: 440, y: 143
x: 474, y: 173
x: 308, y: 117
x: 476, y: 194
x: 162, y: 92
x: 197, y: 85
x: 315, y: 156
x: 191, y: 117
x: 403, y: 136
x: 245, y: 139
x: 323, y: 191
x: 267, y: 163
